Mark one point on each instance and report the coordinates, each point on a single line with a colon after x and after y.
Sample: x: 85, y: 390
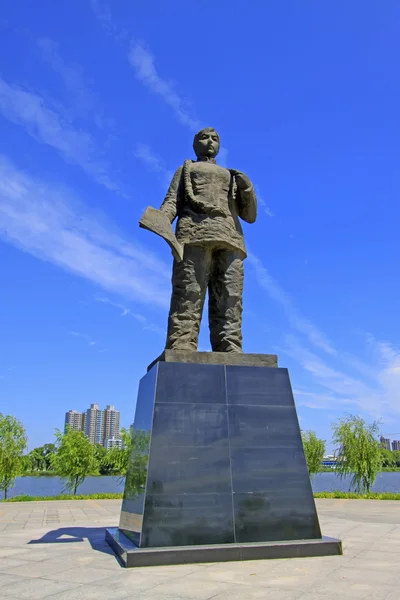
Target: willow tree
x: 314, y: 450
x: 358, y: 451
x: 74, y: 459
x: 13, y: 444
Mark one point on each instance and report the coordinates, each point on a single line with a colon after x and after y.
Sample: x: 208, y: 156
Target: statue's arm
x: 170, y: 204
x: 246, y: 197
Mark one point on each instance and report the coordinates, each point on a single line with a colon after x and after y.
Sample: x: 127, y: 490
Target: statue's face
x: 207, y: 144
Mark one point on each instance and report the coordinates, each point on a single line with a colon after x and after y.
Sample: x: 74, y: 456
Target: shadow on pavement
x: 68, y: 535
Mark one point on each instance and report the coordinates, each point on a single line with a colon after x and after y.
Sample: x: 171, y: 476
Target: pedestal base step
x: 239, y: 359
x: 132, y: 556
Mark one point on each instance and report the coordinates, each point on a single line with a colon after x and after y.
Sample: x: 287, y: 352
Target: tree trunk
x: 75, y: 486
x: 5, y: 493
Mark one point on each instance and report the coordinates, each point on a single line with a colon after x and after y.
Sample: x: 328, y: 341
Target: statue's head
x: 206, y: 143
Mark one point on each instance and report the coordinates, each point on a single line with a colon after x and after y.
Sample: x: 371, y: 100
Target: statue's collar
x: 207, y: 159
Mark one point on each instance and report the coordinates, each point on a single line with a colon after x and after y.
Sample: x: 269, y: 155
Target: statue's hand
x: 242, y: 181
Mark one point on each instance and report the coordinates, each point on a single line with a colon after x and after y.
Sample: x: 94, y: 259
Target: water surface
x: 53, y: 486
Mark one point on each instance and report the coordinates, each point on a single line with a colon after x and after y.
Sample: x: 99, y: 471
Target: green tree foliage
x: 117, y: 459
x: 13, y: 444
x: 134, y: 453
x: 100, y: 454
x: 138, y: 461
x: 396, y: 458
x: 388, y: 460
x: 314, y: 450
x: 40, y: 459
x: 358, y: 452
x: 75, y: 458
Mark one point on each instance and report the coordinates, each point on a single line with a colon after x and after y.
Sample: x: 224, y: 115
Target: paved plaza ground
x: 57, y: 550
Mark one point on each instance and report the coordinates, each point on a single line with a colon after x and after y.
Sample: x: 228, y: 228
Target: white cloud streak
x: 89, y: 340
x: 379, y: 397
x: 153, y: 162
x: 102, y: 13
x: 45, y: 125
x: 263, y: 204
x: 143, y: 64
x: 301, y: 324
x: 72, y: 76
x: 127, y: 312
x: 49, y: 223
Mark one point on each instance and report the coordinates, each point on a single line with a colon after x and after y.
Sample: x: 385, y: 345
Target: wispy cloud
x: 77, y: 85
x: 127, y: 312
x: 335, y: 379
x: 336, y: 387
x: 48, y: 127
x: 72, y: 76
x: 89, y: 340
x: 263, y: 204
x: 124, y: 311
x: 143, y: 63
x: 51, y: 224
x: 300, y: 323
x: 153, y: 162
x: 102, y: 12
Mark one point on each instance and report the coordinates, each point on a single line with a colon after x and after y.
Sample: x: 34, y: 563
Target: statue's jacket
x: 207, y: 202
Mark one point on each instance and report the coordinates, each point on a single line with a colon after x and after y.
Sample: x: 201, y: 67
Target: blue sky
x: 98, y: 106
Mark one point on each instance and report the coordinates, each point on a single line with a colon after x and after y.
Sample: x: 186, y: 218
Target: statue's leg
x: 225, y: 291
x: 189, y: 285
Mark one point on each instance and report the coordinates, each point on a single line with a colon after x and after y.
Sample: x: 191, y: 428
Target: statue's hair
x: 204, y: 130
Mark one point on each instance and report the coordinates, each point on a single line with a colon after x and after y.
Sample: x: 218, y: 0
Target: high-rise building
x: 99, y: 425
x: 385, y: 443
x: 111, y: 423
x: 94, y: 424
x: 396, y: 445
x: 75, y: 420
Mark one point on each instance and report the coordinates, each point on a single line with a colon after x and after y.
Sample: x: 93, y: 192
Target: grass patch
x: 337, y: 494
x: 354, y: 496
x: 26, y: 498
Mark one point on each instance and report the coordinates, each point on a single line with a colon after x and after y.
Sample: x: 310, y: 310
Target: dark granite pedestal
x: 220, y: 470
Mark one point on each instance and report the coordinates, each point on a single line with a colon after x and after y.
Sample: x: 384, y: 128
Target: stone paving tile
x: 6, y: 579
x: 134, y: 579
x: 7, y: 564
x: 355, y: 585
x: 246, y: 593
x: 90, y: 592
x: 370, y: 532
x: 314, y: 596
x: 200, y: 590
x: 36, y: 589
x: 7, y: 552
x: 379, y: 563
x: 233, y: 575
x: 37, y: 569
x: 86, y: 574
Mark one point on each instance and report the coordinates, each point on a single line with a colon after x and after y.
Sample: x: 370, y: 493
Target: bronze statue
x: 208, y: 248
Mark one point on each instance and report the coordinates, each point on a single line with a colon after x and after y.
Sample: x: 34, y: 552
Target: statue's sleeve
x: 247, y: 204
x: 170, y: 204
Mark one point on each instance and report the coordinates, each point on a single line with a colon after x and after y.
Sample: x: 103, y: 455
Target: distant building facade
x: 98, y: 424
x: 113, y: 442
x: 75, y: 420
x: 385, y: 443
x: 111, y: 423
x: 396, y: 445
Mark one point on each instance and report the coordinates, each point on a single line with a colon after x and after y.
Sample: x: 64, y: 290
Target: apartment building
x: 76, y: 420
x: 98, y: 424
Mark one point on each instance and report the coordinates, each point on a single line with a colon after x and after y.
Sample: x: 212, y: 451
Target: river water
x: 52, y: 486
